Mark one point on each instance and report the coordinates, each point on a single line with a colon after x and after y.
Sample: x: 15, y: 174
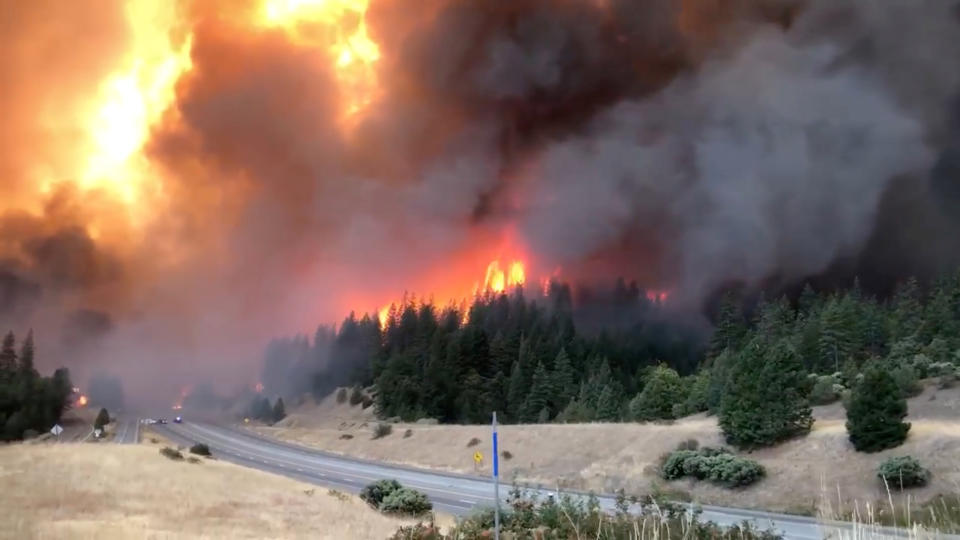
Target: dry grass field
x: 68, y: 491
x: 607, y: 457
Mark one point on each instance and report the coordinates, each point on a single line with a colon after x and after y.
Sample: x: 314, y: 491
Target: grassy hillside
x: 607, y: 457
x: 118, y: 492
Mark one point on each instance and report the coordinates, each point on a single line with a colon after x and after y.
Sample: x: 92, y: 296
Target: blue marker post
x: 496, y: 482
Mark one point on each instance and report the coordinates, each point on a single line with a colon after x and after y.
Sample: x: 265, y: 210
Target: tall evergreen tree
x: 539, y: 396
x: 875, y: 413
x: 8, y: 356
x: 564, y: 380
x: 26, y: 355
x: 663, y: 390
x: 608, y: 405
x: 279, y: 411
x: 765, y: 400
x: 836, y: 336
x: 731, y: 325
x: 907, y: 310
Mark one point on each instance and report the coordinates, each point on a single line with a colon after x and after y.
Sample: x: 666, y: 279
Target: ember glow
x: 82, y: 401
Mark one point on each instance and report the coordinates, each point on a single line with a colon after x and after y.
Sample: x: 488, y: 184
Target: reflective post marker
x: 496, y: 482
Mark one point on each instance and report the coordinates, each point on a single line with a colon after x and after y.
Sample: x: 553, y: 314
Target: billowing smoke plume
x: 683, y: 143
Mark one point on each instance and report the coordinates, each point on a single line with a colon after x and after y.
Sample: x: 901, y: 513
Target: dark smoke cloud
x: 685, y: 143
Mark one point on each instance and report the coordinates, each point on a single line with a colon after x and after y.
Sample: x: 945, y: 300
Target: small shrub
x: 154, y: 440
x: 947, y: 380
x: 381, y: 430
x: 716, y: 465
x: 170, y: 453
x: 826, y: 390
x: 339, y: 495
x: 356, y: 396
x: 407, y: 434
x: 420, y: 531
x: 103, y: 418
x: 689, y: 444
x: 373, y: 494
x: 473, y: 442
x: 342, y: 396
x: 506, y: 455
x: 903, y: 472
x: 346, y: 437
x: 200, y: 449
x: 367, y: 401
x: 193, y: 459
x: 406, y: 502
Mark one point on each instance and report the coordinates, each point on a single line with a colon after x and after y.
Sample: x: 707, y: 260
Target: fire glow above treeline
x: 182, y: 180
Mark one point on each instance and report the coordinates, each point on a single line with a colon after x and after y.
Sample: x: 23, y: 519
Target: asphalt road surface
x: 127, y: 430
x: 451, y: 493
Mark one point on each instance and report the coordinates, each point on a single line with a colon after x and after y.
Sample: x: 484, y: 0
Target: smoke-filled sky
x: 180, y: 181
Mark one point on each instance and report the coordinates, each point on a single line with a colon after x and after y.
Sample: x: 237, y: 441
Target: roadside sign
x: 56, y: 430
x: 97, y: 433
x: 478, y: 457
x: 496, y: 481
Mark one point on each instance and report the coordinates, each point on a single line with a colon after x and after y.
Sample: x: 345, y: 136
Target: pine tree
x: 776, y: 318
x: 8, y: 356
x: 516, y: 393
x: 765, y: 400
x: 808, y: 300
x: 279, y: 411
x: 608, y: 405
x: 540, y: 392
x: 907, y: 310
x: 836, y: 336
x: 875, y: 413
x: 663, y: 390
x: 731, y: 325
x: 26, y: 355
x: 564, y: 384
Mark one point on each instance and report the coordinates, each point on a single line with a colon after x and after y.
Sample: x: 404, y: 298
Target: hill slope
x: 112, y: 491
x: 607, y: 457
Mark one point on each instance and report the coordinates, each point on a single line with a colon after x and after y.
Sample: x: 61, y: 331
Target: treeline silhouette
x: 29, y: 403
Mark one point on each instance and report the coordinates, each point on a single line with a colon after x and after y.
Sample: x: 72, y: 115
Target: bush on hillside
x: 373, y: 494
x: 366, y: 401
x: 356, y: 396
x: 342, y: 396
x: 826, y: 390
x: 171, y: 453
x: 103, y: 418
x: 716, y: 465
x: 875, y: 413
x: 662, y: 391
x: 406, y: 502
x: 903, y: 472
x: 200, y: 449
x: 381, y: 430
x: 907, y: 379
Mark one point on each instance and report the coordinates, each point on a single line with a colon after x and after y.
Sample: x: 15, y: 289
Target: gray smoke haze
x: 684, y: 143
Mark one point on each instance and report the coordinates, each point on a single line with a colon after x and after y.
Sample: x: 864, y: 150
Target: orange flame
x: 339, y: 26
x: 82, y: 401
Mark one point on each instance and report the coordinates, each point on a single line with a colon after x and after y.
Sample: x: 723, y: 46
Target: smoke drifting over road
x: 170, y: 198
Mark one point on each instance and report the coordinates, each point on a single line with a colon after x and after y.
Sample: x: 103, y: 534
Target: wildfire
x: 340, y: 27
x: 184, y: 392
x: 495, y: 281
x: 658, y: 296
x: 258, y: 387
x: 82, y: 401
x: 132, y: 100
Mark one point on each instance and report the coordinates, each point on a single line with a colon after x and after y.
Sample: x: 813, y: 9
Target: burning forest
x: 183, y: 180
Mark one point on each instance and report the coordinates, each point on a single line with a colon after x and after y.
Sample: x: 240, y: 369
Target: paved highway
x: 127, y: 430
x: 452, y: 493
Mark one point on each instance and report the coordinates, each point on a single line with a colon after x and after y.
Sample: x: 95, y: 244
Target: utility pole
x: 496, y: 482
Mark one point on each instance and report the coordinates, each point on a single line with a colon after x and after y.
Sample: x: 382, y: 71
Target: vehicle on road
x: 161, y: 420
x: 178, y: 420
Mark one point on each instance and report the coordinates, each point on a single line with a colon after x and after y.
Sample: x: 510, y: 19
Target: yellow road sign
x: 478, y: 457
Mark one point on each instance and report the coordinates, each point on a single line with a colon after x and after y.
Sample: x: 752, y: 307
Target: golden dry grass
x: 72, y: 491
x: 607, y: 457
